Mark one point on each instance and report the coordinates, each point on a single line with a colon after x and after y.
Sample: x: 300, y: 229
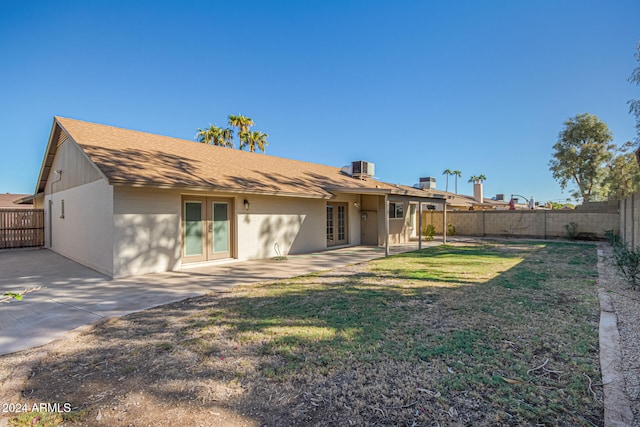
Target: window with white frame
x: 396, y: 210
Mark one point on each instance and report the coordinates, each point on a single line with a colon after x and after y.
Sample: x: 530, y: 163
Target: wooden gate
x: 21, y: 228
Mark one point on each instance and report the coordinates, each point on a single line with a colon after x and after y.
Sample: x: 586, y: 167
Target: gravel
x: 625, y: 302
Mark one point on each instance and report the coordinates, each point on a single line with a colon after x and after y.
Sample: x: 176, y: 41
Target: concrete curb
x: 617, y: 407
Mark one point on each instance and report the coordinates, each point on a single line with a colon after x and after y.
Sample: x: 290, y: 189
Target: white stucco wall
x: 146, y: 231
x: 400, y: 229
x: 147, y: 228
x: 85, y: 234
x: 293, y: 225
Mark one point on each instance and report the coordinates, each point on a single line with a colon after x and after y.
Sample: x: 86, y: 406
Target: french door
x: 337, y: 224
x: 206, y: 228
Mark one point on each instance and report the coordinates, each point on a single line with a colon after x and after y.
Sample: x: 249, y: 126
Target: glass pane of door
x: 342, y: 236
x: 329, y: 223
x: 220, y: 227
x: 413, y: 226
x: 192, y: 228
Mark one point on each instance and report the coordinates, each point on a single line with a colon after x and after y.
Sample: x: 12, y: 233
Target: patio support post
x: 419, y: 224
x: 386, y: 225
x: 444, y: 222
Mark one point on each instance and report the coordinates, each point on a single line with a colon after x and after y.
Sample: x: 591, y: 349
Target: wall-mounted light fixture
x: 356, y: 205
x: 246, y: 205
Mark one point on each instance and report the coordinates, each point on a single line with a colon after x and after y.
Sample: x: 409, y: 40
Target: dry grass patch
x: 481, y: 334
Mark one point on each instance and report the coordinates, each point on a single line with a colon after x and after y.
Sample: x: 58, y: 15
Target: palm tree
x: 243, y: 124
x: 457, y: 174
x: 205, y: 135
x: 224, y: 137
x: 215, y: 136
x: 478, y: 178
x: 253, y: 140
x: 447, y: 172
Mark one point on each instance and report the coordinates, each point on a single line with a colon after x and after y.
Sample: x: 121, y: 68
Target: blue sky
x: 416, y: 87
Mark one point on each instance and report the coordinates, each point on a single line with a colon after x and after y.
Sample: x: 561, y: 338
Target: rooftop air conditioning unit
x: 427, y: 183
x: 362, y: 169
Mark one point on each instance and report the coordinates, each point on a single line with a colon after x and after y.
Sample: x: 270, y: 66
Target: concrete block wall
x: 630, y: 220
x: 524, y: 223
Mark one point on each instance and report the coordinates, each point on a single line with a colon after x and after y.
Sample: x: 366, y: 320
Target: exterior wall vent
x: 362, y: 169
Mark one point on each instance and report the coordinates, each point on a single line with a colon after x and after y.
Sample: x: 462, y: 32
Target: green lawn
x: 500, y: 333
x: 484, y: 316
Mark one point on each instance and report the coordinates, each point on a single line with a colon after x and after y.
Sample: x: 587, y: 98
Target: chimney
x: 477, y: 191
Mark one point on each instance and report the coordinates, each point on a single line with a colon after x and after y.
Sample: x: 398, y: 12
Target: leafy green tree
x: 253, y: 140
x: 634, y: 104
x: 581, y: 154
x: 216, y: 136
x: 457, y: 174
x: 623, y: 174
x: 447, y: 172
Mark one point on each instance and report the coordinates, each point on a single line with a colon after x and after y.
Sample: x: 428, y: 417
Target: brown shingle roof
x: 8, y: 200
x: 143, y: 159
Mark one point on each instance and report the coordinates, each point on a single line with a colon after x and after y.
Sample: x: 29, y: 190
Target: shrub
x: 572, y: 230
x: 429, y: 231
x: 626, y: 259
x: 612, y: 237
x: 451, y: 229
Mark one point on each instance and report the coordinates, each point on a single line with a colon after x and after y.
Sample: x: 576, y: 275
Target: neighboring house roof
x: 128, y: 157
x: 462, y: 201
x: 12, y: 201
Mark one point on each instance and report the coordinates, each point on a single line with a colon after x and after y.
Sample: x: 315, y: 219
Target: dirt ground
x: 129, y: 372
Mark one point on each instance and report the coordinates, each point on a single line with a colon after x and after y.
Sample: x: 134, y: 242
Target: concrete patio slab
x: 72, y: 295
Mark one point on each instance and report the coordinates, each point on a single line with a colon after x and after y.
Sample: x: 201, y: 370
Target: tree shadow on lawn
x: 371, y: 345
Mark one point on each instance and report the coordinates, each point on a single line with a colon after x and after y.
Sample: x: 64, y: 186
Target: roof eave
x: 27, y: 200
x: 388, y: 191
x: 49, y: 155
x: 182, y: 187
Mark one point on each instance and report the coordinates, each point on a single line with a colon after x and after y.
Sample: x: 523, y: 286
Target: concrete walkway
x: 73, y: 295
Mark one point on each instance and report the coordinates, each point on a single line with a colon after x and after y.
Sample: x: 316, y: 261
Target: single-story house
x: 125, y: 202
x: 14, y: 201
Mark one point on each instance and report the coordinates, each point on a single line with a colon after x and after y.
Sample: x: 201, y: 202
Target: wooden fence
x: 21, y: 228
